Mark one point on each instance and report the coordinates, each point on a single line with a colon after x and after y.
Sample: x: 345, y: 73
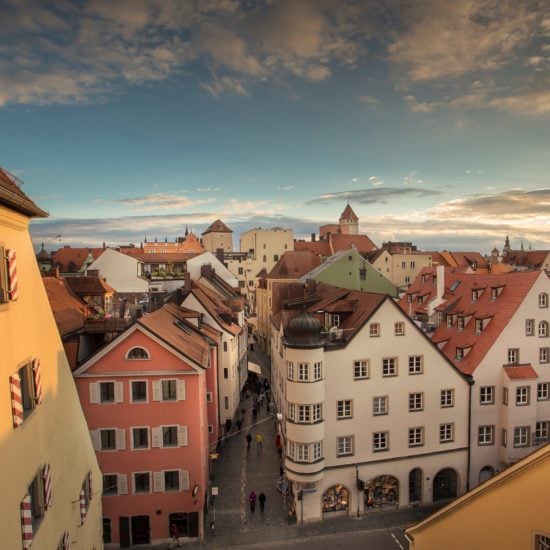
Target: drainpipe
x: 471, y: 383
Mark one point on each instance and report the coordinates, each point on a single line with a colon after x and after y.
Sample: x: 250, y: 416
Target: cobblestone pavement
x: 239, y: 471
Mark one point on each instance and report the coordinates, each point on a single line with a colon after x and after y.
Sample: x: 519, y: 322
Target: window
x: 169, y: 436
x: 380, y: 441
x: 446, y: 433
x: 529, y: 327
x: 360, y: 369
x: 447, y: 398
x: 290, y: 370
x: 521, y: 436
x: 317, y: 371
x: 542, y: 431
x: 543, y: 391
x: 139, y: 391
x: 343, y: 409
x: 416, y: 401
x: 399, y: 329
x: 543, y: 299
x: 487, y: 395
x: 107, y: 392
x: 522, y: 396
x: 389, y: 366
x: 380, y: 405
x: 374, y: 330
x: 415, y: 364
x: 138, y: 353
x: 416, y: 437
x: 172, y: 480
x: 303, y: 372
x: 543, y: 355
x: 543, y: 329
x: 486, y: 435
x: 108, y: 440
x: 110, y: 484
x: 513, y: 356
x: 140, y: 438
x: 344, y: 445
x: 142, y: 482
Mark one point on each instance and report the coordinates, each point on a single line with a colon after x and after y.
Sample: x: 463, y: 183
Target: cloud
x: 161, y: 201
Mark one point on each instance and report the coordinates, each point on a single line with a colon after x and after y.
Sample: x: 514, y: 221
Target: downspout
x: 471, y: 383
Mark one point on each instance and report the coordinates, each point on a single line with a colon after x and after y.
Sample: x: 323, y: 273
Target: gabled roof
x: 64, y: 256
x: 13, y: 198
x: 69, y: 311
x: 293, y: 264
x: 89, y: 286
x: 218, y: 227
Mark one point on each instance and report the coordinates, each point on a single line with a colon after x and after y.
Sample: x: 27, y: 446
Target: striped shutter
x: 26, y: 522
x: 13, y: 291
x: 82, y: 506
x: 16, y: 400
x: 47, y: 480
x: 65, y: 543
x: 37, y: 381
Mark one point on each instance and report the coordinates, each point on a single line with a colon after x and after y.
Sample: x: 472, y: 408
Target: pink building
x: 149, y: 398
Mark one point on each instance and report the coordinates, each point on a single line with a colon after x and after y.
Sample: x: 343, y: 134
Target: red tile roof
x: 520, y: 372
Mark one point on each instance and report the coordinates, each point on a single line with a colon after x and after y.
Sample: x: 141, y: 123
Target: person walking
x: 252, y: 501
x: 248, y: 441
x: 262, y: 498
x: 259, y: 442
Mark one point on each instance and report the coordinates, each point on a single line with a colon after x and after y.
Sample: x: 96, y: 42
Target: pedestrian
x: 259, y: 442
x: 262, y: 498
x: 248, y: 441
x: 252, y: 500
x: 175, y: 535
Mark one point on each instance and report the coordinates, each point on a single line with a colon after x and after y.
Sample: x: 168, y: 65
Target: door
x: 124, y: 532
x: 140, y: 530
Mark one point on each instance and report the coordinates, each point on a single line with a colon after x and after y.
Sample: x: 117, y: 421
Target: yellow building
x: 508, y: 511
x: 50, y: 479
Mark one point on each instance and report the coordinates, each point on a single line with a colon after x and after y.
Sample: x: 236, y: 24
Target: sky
x: 134, y: 119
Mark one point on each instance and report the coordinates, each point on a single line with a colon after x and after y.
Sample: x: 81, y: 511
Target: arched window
x: 543, y: 299
x: 543, y: 329
x: 137, y: 353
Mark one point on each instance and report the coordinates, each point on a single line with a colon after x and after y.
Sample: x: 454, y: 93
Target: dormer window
x: 138, y: 353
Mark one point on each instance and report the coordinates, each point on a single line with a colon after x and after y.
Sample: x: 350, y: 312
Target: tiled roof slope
x: 513, y: 288
x: 217, y: 227
x: 89, y: 286
x: 169, y: 323
x: 69, y: 311
x: 64, y: 256
x: 293, y: 264
x: 12, y: 197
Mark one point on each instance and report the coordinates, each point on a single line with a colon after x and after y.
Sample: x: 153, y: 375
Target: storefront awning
x: 254, y: 367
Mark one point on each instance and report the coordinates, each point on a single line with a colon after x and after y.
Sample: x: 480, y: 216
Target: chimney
x: 440, y: 281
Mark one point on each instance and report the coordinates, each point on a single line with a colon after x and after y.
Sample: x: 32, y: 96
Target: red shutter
x: 26, y: 522
x: 37, y: 381
x: 16, y: 401
x: 47, y: 479
x: 12, y: 275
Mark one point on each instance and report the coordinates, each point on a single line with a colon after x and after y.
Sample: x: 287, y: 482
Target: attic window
x: 138, y: 353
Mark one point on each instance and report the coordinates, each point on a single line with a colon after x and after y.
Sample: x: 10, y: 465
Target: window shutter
x: 120, y: 439
x: 16, y: 401
x: 37, y: 381
x: 119, y: 394
x: 26, y: 522
x: 47, y: 479
x: 184, y: 480
x: 12, y: 275
x: 156, y: 438
x: 94, y: 392
x: 122, y: 484
x: 82, y: 506
x: 182, y: 436
x: 180, y: 390
x: 158, y: 482
x: 157, y: 391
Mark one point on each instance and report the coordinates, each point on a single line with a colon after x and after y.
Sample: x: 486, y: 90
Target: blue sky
x: 134, y: 118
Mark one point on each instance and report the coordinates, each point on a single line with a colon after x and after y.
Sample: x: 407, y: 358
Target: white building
x: 373, y: 414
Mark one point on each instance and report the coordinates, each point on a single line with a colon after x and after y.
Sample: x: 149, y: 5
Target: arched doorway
x: 487, y: 472
x: 415, y: 485
x: 336, y: 499
x: 445, y: 485
x: 381, y: 491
